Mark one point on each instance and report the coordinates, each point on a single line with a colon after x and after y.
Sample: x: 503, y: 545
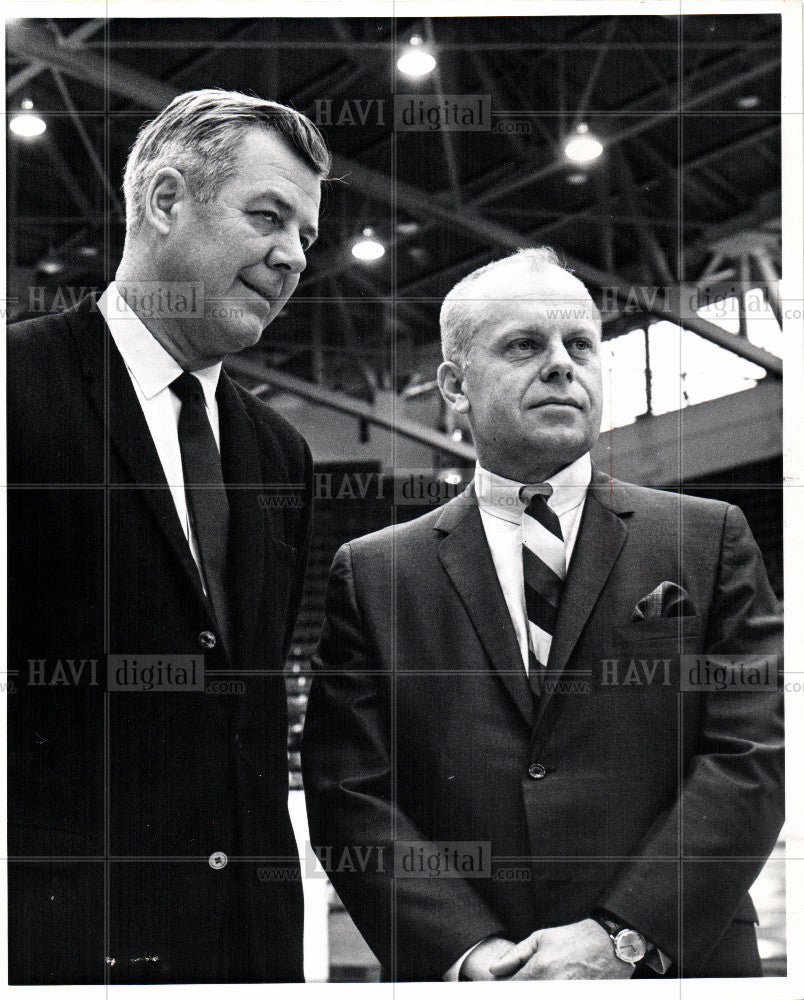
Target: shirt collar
x: 500, y: 496
x: 150, y: 365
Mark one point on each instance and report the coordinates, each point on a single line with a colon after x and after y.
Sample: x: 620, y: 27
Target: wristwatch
x: 629, y: 945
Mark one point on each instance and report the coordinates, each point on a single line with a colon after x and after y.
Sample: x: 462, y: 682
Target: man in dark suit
x: 158, y: 532
x: 544, y: 737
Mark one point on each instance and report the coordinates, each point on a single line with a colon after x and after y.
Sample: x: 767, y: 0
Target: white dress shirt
x: 501, y: 513
x: 151, y: 370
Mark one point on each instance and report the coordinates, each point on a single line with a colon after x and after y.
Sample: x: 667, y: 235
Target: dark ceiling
x: 688, y: 110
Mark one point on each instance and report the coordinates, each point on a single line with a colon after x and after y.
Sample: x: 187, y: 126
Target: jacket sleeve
x: 417, y: 927
x: 698, y: 861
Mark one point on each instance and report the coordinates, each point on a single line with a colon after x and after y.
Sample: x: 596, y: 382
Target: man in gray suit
x: 514, y: 692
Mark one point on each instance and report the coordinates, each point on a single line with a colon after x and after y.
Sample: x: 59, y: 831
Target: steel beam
x: 66, y: 175
x: 94, y: 159
x: 449, y: 139
x: 560, y: 223
x: 767, y: 269
x: 30, y: 42
x: 645, y: 233
x: 600, y: 58
x: 672, y: 309
x: 272, y: 379
x: 18, y: 81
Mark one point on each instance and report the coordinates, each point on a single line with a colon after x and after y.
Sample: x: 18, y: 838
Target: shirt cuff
x: 656, y: 960
x: 453, y: 973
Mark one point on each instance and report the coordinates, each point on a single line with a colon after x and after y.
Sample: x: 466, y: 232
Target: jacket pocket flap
x: 653, y: 629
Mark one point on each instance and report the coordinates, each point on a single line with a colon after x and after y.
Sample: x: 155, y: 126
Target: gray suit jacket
x: 657, y: 803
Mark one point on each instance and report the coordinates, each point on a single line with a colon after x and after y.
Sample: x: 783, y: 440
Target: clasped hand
x: 582, y: 950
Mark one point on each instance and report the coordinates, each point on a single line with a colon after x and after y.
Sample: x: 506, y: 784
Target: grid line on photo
x: 395, y: 303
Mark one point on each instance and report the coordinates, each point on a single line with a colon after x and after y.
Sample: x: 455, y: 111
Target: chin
x: 561, y: 449
x: 232, y: 341
x: 558, y: 439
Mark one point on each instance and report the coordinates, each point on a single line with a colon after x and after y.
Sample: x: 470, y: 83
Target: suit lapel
x: 242, y: 472
x: 465, y: 555
x: 110, y: 389
x: 601, y: 537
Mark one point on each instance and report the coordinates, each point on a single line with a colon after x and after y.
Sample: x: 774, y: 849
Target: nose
x: 287, y: 254
x: 557, y: 365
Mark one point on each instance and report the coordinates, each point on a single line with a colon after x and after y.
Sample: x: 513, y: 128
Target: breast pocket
x: 680, y: 635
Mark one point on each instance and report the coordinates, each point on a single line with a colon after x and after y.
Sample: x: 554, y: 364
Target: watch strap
x: 613, y: 926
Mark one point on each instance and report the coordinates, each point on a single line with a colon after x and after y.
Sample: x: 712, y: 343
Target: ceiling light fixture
x: 27, y: 124
x: 368, y: 248
x: 582, y: 146
x: 416, y: 60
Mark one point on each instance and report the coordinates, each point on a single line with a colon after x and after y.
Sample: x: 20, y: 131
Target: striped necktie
x: 543, y: 565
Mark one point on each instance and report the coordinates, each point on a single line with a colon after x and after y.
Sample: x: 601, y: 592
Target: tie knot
x: 535, y: 493
x: 187, y: 387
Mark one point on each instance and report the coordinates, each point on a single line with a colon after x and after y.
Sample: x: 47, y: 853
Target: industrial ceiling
x: 687, y: 109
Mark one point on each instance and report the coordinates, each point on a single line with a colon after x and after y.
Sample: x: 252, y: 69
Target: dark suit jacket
x: 133, y: 792
x: 657, y: 804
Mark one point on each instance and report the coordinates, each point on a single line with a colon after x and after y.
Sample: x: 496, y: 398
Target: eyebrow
x: 284, y: 205
x: 583, y: 327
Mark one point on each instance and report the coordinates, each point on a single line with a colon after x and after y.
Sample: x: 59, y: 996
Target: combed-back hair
x: 200, y: 132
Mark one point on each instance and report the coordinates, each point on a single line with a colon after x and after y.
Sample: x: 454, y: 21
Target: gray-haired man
x: 150, y: 839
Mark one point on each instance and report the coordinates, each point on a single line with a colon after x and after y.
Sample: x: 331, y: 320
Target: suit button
x: 537, y: 771
x: 218, y: 860
x: 207, y: 640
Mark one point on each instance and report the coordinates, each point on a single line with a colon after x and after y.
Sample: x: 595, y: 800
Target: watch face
x: 630, y: 946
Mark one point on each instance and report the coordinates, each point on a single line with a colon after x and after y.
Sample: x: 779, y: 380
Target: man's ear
x: 450, y: 382
x: 166, y: 190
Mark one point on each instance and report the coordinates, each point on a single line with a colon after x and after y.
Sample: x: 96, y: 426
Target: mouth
x: 263, y: 295
x: 555, y: 401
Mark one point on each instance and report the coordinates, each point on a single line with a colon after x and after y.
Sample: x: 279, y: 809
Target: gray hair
x: 200, y: 132
x: 456, y: 320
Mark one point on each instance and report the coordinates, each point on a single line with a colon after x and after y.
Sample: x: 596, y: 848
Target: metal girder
x: 432, y: 202
x: 647, y: 236
x: 672, y: 308
x: 25, y: 40
x: 66, y: 175
x: 766, y: 211
x: 770, y: 276
x: 449, y: 139
x: 18, y: 81
x: 600, y: 58
x: 94, y: 159
x: 270, y: 378
x: 30, y: 42
x: 537, y: 47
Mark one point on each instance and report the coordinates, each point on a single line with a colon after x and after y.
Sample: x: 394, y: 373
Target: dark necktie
x: 207, y: 503
x: 543, y: 565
